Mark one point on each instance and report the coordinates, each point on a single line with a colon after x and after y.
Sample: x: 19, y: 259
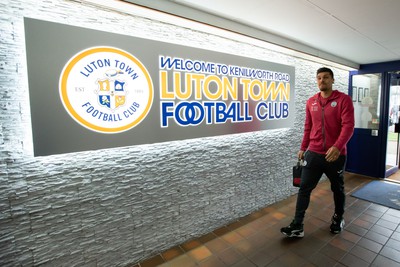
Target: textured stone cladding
x: 118, y: 206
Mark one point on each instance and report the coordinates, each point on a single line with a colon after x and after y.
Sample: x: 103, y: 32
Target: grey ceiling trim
x: 177, y: 9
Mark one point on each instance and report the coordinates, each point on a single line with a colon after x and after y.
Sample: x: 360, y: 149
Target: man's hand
x: 332, y: 154
x: 300, y: 154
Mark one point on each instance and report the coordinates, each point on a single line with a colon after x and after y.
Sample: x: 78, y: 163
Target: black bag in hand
x: 297, y: 174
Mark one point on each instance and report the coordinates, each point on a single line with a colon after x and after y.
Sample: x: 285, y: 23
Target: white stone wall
x: 116, y: 207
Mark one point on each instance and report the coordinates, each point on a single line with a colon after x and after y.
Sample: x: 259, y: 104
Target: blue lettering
x: 165, y: 113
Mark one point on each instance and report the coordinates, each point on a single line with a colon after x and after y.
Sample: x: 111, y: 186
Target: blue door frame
x: 367, y: 148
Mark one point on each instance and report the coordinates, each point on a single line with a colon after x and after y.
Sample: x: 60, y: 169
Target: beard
x: 324, y: 87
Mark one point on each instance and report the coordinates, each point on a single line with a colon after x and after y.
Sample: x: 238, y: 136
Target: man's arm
x: 347, y: 127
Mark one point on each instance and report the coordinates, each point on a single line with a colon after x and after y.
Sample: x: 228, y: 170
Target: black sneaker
x: 293, y: 230
x: 337, y: 224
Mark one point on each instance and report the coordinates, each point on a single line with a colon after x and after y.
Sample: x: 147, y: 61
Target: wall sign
x: 91, y: 89
x: 106, y: 90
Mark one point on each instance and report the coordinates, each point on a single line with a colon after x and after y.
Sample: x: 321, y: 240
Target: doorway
x: 365, y: 146
x: 392, y: 149
x: 373, y: 149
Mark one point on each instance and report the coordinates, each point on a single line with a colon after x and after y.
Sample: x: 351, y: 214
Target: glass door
x: 365, y: 147
x: 392, y: 149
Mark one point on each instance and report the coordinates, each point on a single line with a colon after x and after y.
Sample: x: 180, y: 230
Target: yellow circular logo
x: 106, y: 89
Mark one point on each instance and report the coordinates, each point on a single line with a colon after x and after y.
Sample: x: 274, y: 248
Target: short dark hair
x: 325, y: 69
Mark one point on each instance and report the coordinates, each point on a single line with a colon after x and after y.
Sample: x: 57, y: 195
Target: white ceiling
x: 351, y: 32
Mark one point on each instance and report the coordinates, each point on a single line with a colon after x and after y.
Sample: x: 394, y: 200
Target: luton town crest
x: 111, y: 91
x: 106, y: 89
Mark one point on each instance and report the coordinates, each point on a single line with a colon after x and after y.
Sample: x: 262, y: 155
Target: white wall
x: 119, y: 206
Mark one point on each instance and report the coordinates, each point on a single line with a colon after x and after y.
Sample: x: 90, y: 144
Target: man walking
x: 328, y: 126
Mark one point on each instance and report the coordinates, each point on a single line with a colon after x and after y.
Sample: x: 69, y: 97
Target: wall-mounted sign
x: 91, y: 89
x: 106, y: 90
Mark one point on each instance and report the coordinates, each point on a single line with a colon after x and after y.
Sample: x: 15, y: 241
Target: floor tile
x: 363, y: 224
x: 232, y: 237
x: 321, y: 260
x: 387, y: 224
x: 208, y: 237
x: 333, y: 252
x: 371, y: 237
x: 369, y: 218
x: 245, y: 247
x: 354, y: 238
x: 172, y: 253
x: 212, y: 261
x: 322, y: 235
x: 353, y: 261
x: 394, y: 212
x: 383, y: 261
x: 371, y: 245
x: 381, y: 239
x: 200, y: 253
x: 395, y: 244
x: 363, y: 253
x: 152, y: 262
x: 244, y: 263
x: 379, y: 208
x: 374, y: 212
x: 230, y: 256
x: 191, y: 245
x: 396, y: 236
x: 217, y: 245
x: 342, y: 243
x: 391, y: 253
x: 291, y: 259
x: 221, y: 231
x: 382, y: 230
x: 260, y: 258
x: 183, y: 260
x: 246, y: 231
x: 390, y: 218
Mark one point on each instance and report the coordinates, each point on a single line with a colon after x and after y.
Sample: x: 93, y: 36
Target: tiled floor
x: 371, y: 237
x: 395, y: 177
